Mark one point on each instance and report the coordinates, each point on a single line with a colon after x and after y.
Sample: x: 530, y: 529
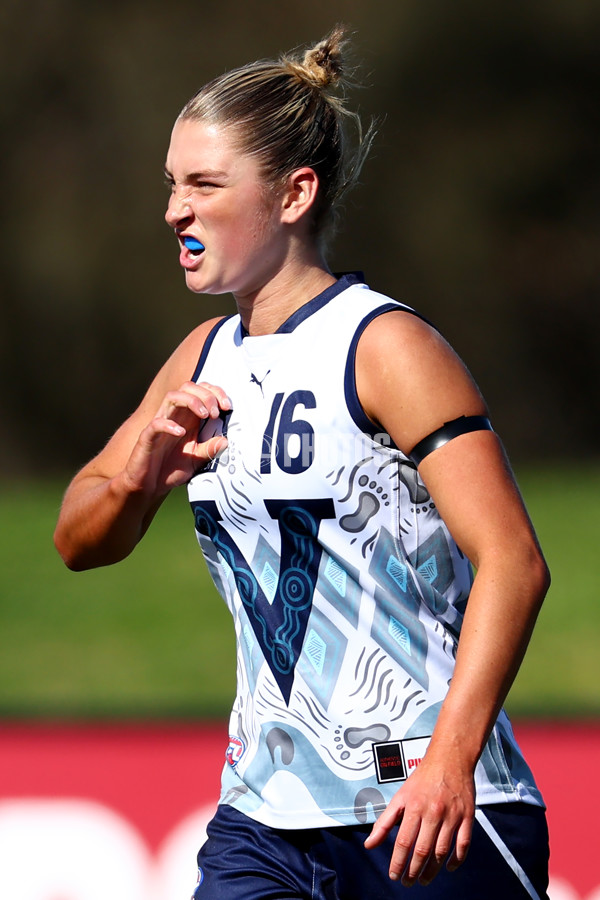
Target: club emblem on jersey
x: 235, y: 750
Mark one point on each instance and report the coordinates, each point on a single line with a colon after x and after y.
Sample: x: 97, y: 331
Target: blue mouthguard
x: 192, y: 244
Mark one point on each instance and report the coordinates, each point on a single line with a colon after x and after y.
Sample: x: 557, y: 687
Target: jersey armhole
x: 359, y: 417
x: 207, y: 345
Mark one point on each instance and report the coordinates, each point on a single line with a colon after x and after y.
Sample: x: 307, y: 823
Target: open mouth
x: 193, y: 245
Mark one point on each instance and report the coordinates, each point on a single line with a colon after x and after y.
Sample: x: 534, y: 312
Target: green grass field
x: 150, y: 637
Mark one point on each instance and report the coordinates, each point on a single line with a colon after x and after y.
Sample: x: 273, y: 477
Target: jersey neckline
x: 344, y: 281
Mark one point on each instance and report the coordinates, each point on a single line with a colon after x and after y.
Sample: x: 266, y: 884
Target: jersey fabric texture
x: 345, y: 586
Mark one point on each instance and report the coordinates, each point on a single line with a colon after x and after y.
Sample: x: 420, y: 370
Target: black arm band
x: 446, y: 433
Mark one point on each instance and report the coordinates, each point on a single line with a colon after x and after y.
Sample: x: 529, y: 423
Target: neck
x: 294, y: 285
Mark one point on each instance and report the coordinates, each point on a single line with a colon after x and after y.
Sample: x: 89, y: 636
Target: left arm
x: 411, y: 383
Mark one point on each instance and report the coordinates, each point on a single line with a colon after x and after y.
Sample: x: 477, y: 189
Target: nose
x: 179, y: 211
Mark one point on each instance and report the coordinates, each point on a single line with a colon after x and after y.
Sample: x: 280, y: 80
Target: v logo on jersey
x: 279, y: 626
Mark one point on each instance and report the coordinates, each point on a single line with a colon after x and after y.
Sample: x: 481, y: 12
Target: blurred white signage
x: 81, y: 850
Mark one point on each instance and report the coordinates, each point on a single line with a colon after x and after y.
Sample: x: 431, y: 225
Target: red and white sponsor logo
x: 414, y: 751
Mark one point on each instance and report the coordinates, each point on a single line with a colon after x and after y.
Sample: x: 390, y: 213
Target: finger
x: 219, y: 393
x: 158, y: 431
x: 209, y: 450
x: 461, y: 847
x: 389, y: 817
x: 211, y: 396
x: 404, y: 847
x: 200, y: 404
x: 161, y: 425
x: 421, y: 856
x: 440, y: 853
x: 153, y: 444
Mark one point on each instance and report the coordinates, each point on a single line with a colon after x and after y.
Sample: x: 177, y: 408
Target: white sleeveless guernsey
x: 345, y: 586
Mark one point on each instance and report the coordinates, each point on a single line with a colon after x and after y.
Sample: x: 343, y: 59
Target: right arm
x: 111, y: 502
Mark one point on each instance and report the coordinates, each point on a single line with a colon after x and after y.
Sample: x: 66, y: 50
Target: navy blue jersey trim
x: 319, y: 301
x: 207, y: 345
x: 355, y: 409
x: 312, y: 306
x: 449, y: 431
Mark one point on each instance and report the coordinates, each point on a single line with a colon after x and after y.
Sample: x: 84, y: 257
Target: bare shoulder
x: 400, y: 329
x: 410, y: 380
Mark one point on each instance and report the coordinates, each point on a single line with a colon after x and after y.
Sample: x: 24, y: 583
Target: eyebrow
x: 198, y: 176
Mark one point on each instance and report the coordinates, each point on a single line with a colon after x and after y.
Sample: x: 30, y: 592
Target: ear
x: 299, y: 195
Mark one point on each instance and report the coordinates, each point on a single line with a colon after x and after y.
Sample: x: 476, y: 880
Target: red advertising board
x: 90, y: 812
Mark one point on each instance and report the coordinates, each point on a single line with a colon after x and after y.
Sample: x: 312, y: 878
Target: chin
x: 199, y: 286
x: 196, y: 284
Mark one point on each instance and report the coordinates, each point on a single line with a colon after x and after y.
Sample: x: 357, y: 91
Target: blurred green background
x: 150, y: 636
x: 480, y: 206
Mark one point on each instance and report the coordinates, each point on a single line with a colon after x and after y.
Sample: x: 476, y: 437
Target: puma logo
x: 254, y: 380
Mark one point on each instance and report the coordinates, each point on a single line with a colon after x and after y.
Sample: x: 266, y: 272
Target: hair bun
x: 324, y: 61
x: 322, y: 65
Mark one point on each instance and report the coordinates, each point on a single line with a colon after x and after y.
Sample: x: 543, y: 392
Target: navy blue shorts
x: 507, y: 860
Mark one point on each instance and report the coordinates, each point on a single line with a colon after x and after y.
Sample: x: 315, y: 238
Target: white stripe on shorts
x: 508, y: 856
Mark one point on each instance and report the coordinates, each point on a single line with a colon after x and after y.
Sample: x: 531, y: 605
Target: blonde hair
x: 291, y: 113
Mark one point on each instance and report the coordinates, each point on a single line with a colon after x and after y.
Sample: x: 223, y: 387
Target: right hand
x: 167, y: 453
